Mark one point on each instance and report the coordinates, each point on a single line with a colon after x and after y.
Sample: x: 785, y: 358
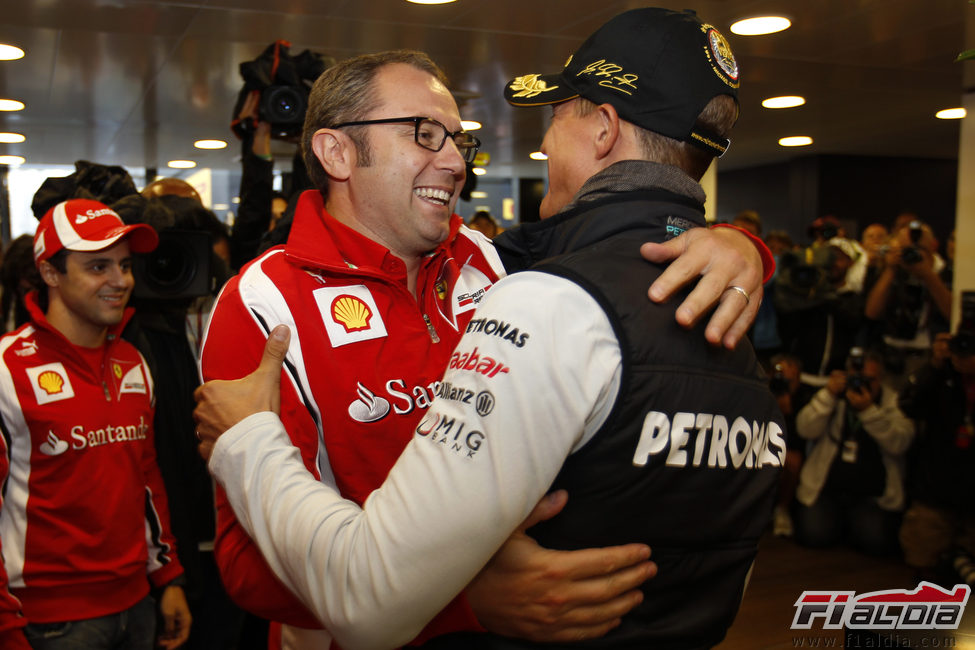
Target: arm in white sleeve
x: 468, y: 478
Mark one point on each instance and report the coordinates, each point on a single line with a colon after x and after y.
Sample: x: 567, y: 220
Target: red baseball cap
x: 86, y: 225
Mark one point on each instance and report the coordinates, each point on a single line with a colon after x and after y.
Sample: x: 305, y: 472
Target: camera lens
x: 283, y: 105
x: 170, y: 267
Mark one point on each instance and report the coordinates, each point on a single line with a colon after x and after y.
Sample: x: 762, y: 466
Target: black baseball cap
x: 658, y: 68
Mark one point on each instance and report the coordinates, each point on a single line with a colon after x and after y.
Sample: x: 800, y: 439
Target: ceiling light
x: 786, y: 101
x: 760, y: 25
x: 479, y: 171
x: 12, y: 161
x: 470, y: 125
x: 430, y: 2
x: 795, y: 141
x: 11, y: 105
x: 209, y: 144
x: 477, y: 194
x: 235, y: 200
x: 181, y: 164
x: 950, y: 114
x: 10, y: 52
x: 221, y: 206
x: 537, y: 155
x: 11, y: 138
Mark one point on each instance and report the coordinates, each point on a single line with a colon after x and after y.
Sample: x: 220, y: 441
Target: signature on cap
x: 603, y: 69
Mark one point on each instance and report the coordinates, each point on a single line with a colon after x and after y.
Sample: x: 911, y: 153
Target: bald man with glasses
x: 377, y: 282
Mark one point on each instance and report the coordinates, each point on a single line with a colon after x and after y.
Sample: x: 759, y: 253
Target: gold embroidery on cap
x: 624, y: 83
x: 529, y: 86
x: 719, y: 54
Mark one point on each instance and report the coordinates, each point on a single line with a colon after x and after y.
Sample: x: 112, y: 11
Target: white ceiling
x: 137, y: 82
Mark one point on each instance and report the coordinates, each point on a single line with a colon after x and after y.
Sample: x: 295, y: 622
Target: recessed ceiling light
x: 209, y: 144
x: 12, y: 161
x: 537, y: 155
x: 786, y: 101
x: 11, y: 138
x: 950, y: 114
x: 430, y: 2
x: 470, y: 125
x: 796, y: 141
x: 479, y: 171
x: 11, y: 105
x: 221, y: 206
x: 760, y: 25
x: 10, y: 52
x: 181, y: 164
x: 477, y: 194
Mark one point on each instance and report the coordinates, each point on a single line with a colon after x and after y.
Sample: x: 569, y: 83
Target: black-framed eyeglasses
x: 430, y: 134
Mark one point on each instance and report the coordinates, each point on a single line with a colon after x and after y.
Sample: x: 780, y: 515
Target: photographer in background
x: 938, y: 534
x: 184, y: 270
x: 910, y: 299
x: 819, y: 305
x: 271, y: 105
x: 791, y: 396
x: 851, y: 487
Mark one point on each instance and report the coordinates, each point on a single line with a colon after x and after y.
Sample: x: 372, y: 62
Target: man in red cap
x: 84, y: 519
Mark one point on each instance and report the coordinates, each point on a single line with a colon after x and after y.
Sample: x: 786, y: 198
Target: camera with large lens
x: 283, y: 82
x: 912, y: 254
x: 963, y: 342
x: 183, y: 266
x: 179, y: 267
x: 854, y: 363
x: 804, y: 274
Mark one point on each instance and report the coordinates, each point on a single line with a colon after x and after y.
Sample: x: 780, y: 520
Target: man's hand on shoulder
x: 534, y: 593
x: 730, y: 269
x: 222, y: 404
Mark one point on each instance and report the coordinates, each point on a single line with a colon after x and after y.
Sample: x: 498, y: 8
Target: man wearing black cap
x: 83, y: 518
x: 656, y: 436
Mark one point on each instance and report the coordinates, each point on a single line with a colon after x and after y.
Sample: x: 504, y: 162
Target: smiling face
x: 404, y: 196
x: 91, y: 294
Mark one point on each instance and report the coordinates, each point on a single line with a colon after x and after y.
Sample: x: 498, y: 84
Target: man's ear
x: 49, y: 274
x: 608, y: 133
x: 335, y: 151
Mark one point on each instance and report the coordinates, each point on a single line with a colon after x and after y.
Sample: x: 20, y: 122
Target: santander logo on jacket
x: 55, y: 445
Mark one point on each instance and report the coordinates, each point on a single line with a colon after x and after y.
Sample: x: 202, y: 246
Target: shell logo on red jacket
x: 50, y: 383
x: 351, y: 313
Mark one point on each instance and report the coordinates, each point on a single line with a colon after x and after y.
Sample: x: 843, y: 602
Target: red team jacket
x: 83, y: 519
x: 364, y: 364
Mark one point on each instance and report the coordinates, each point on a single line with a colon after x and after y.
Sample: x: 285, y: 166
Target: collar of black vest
x: 662, y: 213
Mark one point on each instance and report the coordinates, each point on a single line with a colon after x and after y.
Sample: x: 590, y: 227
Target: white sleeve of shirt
x: 376, y: 576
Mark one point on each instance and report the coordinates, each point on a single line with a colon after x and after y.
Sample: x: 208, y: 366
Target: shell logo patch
x: 350, y: 314
x: 50, y: 383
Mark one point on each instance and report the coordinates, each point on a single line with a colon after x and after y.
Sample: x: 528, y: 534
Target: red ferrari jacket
x: 364, y: 364
x: 84, y: 518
